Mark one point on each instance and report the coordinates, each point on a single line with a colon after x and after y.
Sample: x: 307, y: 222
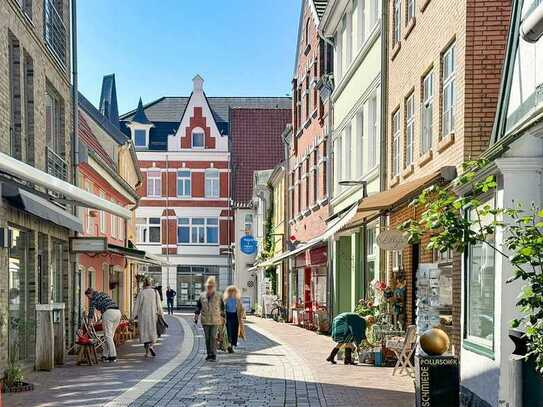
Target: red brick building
x: 185, y: 214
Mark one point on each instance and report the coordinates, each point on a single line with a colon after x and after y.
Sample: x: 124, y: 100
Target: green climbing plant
x: 456, y: 222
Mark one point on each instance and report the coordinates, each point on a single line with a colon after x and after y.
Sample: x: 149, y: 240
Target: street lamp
x: 354, y: 183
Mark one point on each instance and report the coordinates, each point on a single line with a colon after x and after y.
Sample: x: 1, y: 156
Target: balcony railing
x: 56, y: 166
x: 54, y: 30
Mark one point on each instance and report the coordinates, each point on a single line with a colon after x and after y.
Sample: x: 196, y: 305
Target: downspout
x: 383, y: 130
x: 329, y: 166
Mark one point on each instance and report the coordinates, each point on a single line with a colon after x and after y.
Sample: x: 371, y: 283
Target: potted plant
x: 13, y: 381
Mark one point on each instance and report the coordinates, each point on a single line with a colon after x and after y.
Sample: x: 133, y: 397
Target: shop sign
x: 437, y: 381
x: 392, y: 240
x: 88, y: 244
x: 248, y: 245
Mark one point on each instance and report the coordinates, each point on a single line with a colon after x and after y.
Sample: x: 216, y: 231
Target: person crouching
x: 347, y: 328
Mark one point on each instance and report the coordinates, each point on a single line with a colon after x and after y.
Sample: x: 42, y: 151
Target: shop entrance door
x: 189, y: 288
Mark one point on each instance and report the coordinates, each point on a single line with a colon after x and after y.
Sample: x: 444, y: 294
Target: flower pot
x: 17, y: 388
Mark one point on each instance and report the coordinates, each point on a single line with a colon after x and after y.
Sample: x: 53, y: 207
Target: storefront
x: 190, y: 283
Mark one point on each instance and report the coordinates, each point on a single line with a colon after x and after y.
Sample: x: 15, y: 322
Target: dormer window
x: 198, y: 139
x: 140, y: 138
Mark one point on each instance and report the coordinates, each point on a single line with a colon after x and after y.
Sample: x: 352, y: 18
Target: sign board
x: 248, y: 245
x: 88, y: 244
x: 246, y: 302
x: 437, y: 381
x: 392, y: 240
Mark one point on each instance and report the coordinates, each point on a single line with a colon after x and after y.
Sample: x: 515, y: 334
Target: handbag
x: 161, y: 325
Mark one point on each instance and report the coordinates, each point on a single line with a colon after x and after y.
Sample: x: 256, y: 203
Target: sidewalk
x: 342, y: 385
x: 72, y: 385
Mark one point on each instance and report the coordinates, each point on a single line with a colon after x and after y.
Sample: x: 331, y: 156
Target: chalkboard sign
x: 437, y: 381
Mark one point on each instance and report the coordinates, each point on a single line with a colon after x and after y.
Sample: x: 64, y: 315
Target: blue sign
x: 248, y: 245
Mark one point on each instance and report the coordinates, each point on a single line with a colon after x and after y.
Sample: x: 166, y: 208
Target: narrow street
x: 279, y: 365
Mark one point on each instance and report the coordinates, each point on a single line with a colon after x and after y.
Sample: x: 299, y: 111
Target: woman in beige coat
x: 146, y: 310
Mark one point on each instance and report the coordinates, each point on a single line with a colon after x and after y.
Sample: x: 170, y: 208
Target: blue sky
x: 155, y: 47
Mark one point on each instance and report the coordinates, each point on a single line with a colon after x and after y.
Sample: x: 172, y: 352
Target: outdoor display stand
x: 437, y: 381
x: 49, y: 336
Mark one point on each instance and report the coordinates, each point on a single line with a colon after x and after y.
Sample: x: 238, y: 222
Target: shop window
x: 184, y: 184
x: 427, y: 113
x: 397, y: 260
x: 154, y: 184
x: 371, y: 234
x: 480, y: 285
x: 448, y: 69
x: 212, y: 183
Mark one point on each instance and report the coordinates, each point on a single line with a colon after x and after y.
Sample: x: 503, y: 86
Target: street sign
x: 392, y: 240
x: 248, y: 245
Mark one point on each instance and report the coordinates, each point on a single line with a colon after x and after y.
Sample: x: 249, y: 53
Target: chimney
x: 197, y: 84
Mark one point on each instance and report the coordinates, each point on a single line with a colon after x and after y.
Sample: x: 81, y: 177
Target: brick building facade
x: 445, y: 61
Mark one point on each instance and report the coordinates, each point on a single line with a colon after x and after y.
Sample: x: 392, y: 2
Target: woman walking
x: 147, y: 309
x: 234, y: 316
x: 210, y: 309
x: 347, y: 328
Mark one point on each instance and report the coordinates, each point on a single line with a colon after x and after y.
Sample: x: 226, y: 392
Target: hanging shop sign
x: 392, y: 240
x: 248, y: 245
x: 88, y: 244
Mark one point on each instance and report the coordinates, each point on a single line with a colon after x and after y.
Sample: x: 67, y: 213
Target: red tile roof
x: 87, y: 137
x: 256, y: 144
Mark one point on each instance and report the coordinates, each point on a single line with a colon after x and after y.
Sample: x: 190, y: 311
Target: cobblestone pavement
x: 279, y: 365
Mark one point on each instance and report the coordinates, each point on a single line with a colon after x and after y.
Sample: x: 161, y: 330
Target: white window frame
x: 374, y: 13
x: 90, y: 221
x: 372, y: 131
x: 397, y: 23
x: 360, y: 141
x: 349, y: 38
x: 212, y: 183
x: 396, y: 135
x: 448, y: 91
x: 102, y: 214
x: 427, y: 108
x: 347, y: 153
x: 143, y: 228
x: 409, y: 130
x: 182, y: 192
x: 410, y: 10
x: 154, y: 184
x: 197, y: 229
x: 114, y: 224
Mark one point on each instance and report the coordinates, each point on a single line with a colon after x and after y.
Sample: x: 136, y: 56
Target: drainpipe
x: 384, y: 113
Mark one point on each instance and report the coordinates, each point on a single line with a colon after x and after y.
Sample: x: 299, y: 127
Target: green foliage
x: 445, y: 219
x: 269, y: 240
x: 13, y: 375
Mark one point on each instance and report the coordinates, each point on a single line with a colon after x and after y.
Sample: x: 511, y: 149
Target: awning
x: 36, y: 205
x: 23, y: 171
x: 336, y: 225
x: 139, y: 256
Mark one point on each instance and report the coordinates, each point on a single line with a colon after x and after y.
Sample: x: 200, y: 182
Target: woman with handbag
x: 148, y: 311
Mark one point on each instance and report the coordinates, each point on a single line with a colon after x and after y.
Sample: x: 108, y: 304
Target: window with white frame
x: 372, y: 131
x: 427, y: 112
x: 248, y: 227
x: 374, y: 13
x: 397, y: 22
x: 480, y: 289
x: 148, y: 230
x: 410, y: 12
x: 184, y: 184
x: 140, y: 138
x: 360, y: 141
x: 359, y: 9
x: 102, y: 215
x: 448, y: 67
x: 198, y: 139
x: 371, y: 253
x: 396, y: 133
x: 114, y: 224
x: 88, y: 212
x: 198, y: 230
x: 348, y: 21
x: 339, y: 55
x: 409, y: 129
x: 347, y: 152
x: 212, y: 183
x: 154, y: 182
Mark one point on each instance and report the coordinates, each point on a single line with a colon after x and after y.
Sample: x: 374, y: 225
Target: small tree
x: 445, y: 219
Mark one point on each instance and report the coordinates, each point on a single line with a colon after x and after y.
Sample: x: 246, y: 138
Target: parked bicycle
x: 278, y: 312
